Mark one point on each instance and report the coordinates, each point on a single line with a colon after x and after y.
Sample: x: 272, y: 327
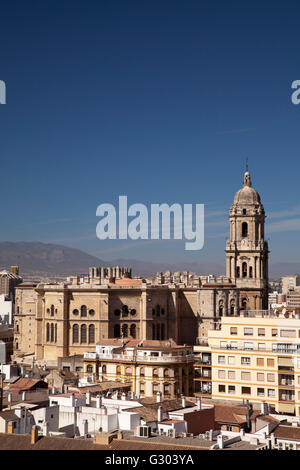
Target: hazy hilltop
x: 37, y: 257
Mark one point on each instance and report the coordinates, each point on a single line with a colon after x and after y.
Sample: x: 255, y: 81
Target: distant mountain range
x: 46, y: 258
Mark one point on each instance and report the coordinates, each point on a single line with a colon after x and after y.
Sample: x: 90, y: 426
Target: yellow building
x: 150, y: 367
x: 256, y: 357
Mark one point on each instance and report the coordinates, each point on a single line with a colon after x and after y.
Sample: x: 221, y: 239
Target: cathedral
x: 63, y: 319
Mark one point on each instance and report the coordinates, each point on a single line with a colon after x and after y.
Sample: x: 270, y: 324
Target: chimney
x: 9, y: 399
x: 220, y: 440
x: 158, y: 397
x: 264, y: 408
x: 198, y: 403
x: 10, y: 427
x: 159, y: 413
x: 183, y: 401
x: 23, y: 396
x: 34, y: 435
x: 73, y: 399
x: 88, y: 399
x: 98, y: 401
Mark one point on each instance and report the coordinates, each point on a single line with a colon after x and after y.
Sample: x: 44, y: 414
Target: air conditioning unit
x: 143, y: 431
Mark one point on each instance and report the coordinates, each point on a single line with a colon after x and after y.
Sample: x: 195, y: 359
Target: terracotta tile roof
x: 100, y: 387
x: 287, y: 432
x: 8, y: 415
x: 230, y: 414
x: 126, y: 282
x: 149, y: 409
x: 23, y: 442
x: 269, y: 419
x: 27, y: 384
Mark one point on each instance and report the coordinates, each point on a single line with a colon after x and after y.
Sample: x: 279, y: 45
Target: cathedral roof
x: 247, y: 195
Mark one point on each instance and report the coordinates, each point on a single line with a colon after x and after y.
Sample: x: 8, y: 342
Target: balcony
x: 142, y: 359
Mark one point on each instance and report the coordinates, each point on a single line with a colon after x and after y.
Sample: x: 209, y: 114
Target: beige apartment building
x: 150, y: 367
x: 256, y: 357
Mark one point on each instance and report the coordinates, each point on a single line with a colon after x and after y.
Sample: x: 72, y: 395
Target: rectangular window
x: 233, y: 330
x: 231, y: 360
x: 274, y: 332
x: 260, y: 377
x: 222, y: 389
x: 261, y: 392
x: 221, y: 359
x: 231, y: 389
x: 231, y: 374
x: 261, y: 345
x: 223, y: 344
x: 270, y: 377
x: 245, y: 360
x: 270, y: 362
x: 245, y: 376
x: 221, y: 374
x: 260, y: 361
x: 288, y: 333
x: 261, y: 332
x: 248, y: 331
x: 246, y: 390
x: 248, y: 345
x: 233, y: 345
x: 271, y: 392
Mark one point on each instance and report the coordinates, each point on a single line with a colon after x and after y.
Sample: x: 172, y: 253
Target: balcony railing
x: 122, y: 357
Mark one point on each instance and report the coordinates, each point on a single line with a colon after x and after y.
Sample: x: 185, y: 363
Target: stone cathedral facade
x: 53, y: 320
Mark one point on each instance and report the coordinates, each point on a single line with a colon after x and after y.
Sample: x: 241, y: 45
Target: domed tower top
x: 247, y: 196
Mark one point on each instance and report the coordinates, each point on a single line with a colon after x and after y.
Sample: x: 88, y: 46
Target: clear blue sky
x: 159, y: 100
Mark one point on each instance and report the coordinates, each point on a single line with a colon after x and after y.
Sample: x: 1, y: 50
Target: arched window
x: 133, y: 331
x: 237, y: 271
x: 158, y: 310
x: 153, y: 332
x: 133, y: 311
x: 128, y: 371
x: 162, y: 311
x: 103, y: 369
x: 166, y: 373
x: 244, y: 304
x: 83, y: 335
x: 92, y: 312
x: 153, y: 312
x: 158, y: 331
x: 250, y: 271
x: 117, y: 312
x: 124, y: 310
x: 52, y: 333
x: 155, y: 372
x: 55, y: 333
x: 244, y: 269
x: 244, y: 229
x: 118, y: 370
x: 162, y: 331
x: 75, y: 333
x: 83, y: 311
x: 47, y: 332
x: 232, y: 305
x: 91, y: 334
x: 221, y: 308
x: 89, y: 368
x: 142, y: 372
x: 52, y: 310
x: 244, y: 211
x: 48, y: 310
x: 117, y: 331
x: 125, y: 331
x: 75, y: 311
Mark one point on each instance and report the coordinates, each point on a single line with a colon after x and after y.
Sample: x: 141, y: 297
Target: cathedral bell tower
x: 246, y: 250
